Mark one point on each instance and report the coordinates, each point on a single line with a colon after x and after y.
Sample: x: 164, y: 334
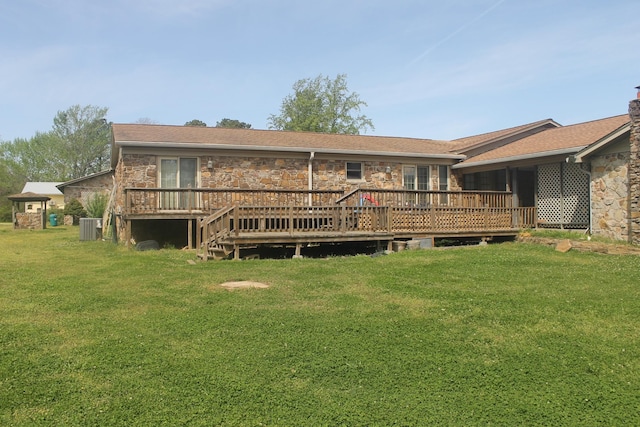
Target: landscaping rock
x: 564, y: 246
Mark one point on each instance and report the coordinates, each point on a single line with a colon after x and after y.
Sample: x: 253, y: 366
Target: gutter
x: 518, y: 158
x: 285, y: 149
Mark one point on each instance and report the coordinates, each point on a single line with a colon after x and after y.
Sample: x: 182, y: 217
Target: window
x: 443, y: 178
x: 178, y: 172
x: 354, y: 170
x: 443, y: 183
x: 415, y: 177
x: 486, y: 181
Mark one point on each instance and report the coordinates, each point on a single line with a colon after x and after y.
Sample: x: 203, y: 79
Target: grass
x: 510, y: 334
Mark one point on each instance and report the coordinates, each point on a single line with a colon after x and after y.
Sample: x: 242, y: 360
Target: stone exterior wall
x: 610, y: 195
x: 634, y: 171
x: 140, y: 171
x: 84, y: 190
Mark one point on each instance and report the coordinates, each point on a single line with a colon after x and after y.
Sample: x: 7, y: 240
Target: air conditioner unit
x: 90, y: 229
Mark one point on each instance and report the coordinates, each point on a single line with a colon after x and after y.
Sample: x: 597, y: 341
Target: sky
x: 426, y: 68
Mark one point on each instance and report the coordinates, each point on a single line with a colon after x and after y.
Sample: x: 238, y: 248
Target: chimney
x: 634, y: 169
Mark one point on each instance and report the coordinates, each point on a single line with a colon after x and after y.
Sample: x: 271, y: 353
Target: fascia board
x: 286, y: 149
x: 531, y: 156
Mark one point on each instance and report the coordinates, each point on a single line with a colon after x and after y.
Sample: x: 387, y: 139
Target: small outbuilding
x: 28, y: 220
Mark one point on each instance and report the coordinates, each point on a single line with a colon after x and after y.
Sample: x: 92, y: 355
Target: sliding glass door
x: 178, y: 172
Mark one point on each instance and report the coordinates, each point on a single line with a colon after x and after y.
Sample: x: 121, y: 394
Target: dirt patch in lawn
x: 244, y: 284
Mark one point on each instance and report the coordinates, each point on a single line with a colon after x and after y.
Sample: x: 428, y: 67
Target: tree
x: 77, y: 145
x: 196, y: 122
x: 40, y: 158
x: 12, y: 179
x: 85, y: 137
x: 145, y: 121
x: 232, y: 124
x: 322, y: 105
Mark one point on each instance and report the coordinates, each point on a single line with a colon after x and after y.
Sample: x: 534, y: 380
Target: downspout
x: 310, y: 175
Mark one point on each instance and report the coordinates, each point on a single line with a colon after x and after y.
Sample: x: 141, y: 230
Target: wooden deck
x: 227, y: 220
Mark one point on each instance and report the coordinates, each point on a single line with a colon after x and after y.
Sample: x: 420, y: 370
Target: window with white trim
x: 415, y: 177
x: 443, y: 183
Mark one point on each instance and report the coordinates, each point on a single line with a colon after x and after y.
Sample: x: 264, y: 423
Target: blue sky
x: 427, y: 69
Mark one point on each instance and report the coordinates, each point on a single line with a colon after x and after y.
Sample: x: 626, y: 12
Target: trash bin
x: 53, y: 220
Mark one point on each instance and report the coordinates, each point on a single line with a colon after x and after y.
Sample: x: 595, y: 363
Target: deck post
x: 127, y: 232
x: 190, y: 233
x: 236, y: 252
x: 236, y: 220
x: 199, y: 225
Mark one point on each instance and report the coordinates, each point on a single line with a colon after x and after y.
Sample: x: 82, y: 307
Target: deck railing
x: 206, y: 200
x: 295, y: 220
x: 424, y: 198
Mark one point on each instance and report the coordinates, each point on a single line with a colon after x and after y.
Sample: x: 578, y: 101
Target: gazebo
x: 26, y: 219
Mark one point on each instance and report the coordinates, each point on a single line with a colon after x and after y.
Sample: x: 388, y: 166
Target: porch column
x: 634, y: 172
x: 515, y: 199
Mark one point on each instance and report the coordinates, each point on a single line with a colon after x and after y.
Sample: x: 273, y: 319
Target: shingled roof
x: 555, y: 141
x: 139, y: 135
x: 475, y: 141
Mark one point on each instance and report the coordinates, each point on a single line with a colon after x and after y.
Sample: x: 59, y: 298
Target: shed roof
x: 62, y: 185
x: 29, y: 197
x: 139, y: 135
x: 48, y: 188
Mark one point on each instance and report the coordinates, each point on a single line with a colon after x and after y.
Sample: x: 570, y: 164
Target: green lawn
x: 510, y: 334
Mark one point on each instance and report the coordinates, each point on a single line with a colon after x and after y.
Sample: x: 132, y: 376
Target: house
x: 49, y: 189
x: 197, y: 185
x: 171, y: 178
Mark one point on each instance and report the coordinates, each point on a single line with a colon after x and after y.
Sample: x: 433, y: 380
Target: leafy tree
x: 85, y: 136
x: 233, y: 124
x: 322, y: 105
x: 12, y: 179
x: 146, y: 121
x: 77, y: 145
x: 40, y: 158
x: 196, y: 122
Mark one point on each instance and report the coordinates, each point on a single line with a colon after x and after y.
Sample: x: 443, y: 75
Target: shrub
x: 96, y: 205
x: 75, y: 209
